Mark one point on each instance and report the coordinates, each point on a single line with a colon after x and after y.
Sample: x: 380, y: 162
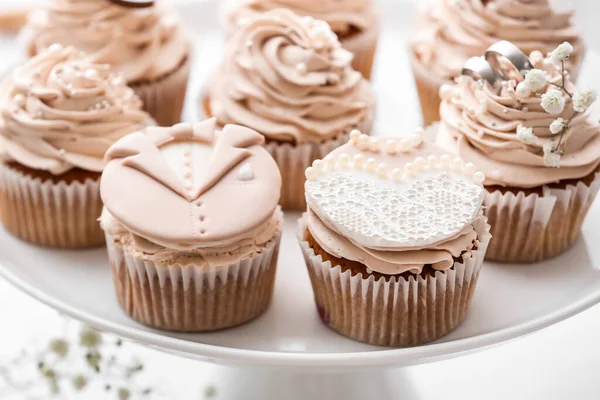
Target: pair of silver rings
x: 489, y: 67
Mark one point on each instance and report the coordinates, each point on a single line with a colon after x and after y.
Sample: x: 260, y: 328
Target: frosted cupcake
x: 450, y: 32
x: 288, y: 78
x: 393, y: 241
x: 537, y: 144
x: 355, y: 22
x: 192, y: 225
x: 59, y: 113
x: 144, y: 42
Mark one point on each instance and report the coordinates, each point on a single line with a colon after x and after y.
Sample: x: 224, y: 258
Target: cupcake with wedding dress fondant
x: 449, y: 32
x: 355, y: 22
x: 59, y: 113
x: 145, y: 42
x: 288, y: 78
x: 530, y: 130
x: 394, y: 238
x: 192, y: 225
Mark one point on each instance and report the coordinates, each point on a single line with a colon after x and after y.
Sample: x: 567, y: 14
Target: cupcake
x: 355, y: 22
x: 146, y: 43
x: 288, y: 78
x: 450, y: 32
x: 192, y: 225
x: 59, y: 113
x: 534, y: 138
x: 393, y: 241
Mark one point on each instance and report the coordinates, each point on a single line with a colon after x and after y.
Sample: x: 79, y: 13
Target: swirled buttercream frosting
x: 343, y: 17
x: 481, y: 123
x: 287, y: 77
x: 143, y: 44
x: 192, y: 188
x: 451, y: 31
x: 393, y: 210
x: 59, y: 111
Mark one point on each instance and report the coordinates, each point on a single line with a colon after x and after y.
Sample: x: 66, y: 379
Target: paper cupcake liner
x: 164, y: 99
x: 193, y: 298
x: 428, y: 87
x: 292, y: 161
x: 50, y: 214
x: 364, y: 47
x: 395, y: 312
x: 534, y: 228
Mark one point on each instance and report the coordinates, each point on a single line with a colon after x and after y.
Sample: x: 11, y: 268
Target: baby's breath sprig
x: 553, y: 101
x: 78, y: 362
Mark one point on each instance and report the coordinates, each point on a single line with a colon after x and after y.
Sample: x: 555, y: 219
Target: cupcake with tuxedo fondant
x: 355, y: 22
x: 527, y: 126
x: 449, y: 32
x: 394, y: 238
x: 192, y: 225
x: 288, y: 78
x: 59, y: 113
x: 144, y: 41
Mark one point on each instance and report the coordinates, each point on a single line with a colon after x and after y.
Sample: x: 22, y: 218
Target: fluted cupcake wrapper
x: 395, y: 312
x: 62, y: 215
x: 164, y: 98
x: 293, y: 160
x: 364, y: 47
x: 428, y: 88
x: 534, y: 228
x: 193, y: 298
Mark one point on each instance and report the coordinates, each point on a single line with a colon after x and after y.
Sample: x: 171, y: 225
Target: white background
x: 558, y: 363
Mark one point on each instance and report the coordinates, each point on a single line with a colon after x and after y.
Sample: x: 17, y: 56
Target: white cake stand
x: 288, y: 353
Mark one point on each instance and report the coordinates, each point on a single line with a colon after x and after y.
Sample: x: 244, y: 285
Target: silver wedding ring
x: 512, y: 53
x: 478, y: 68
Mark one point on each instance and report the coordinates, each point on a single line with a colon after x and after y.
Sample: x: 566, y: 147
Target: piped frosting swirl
x: 143, y: 44
x: 59, y: 111
x: 343, y: 17
x: 288, y: 78
x: 392, y: 209
x: 481, y: 123
x: 450, y: 32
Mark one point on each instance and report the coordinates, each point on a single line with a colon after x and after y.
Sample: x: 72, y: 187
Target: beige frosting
x: 487, y: 137
x: 226, y: 196
x: 288, y: 78
x: 342, y: 16
x: 450, y: 32
x: 391, y: 261
x: 59, y: 111
x: 143, y: 44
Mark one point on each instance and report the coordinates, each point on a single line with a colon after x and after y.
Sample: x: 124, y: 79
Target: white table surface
x: 555, y: 364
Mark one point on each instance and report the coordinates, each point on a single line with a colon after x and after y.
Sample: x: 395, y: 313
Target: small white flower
x: 561, y: 53
x: 558, y: 126
x: 90, y: 338
x: 536, y: 79
x: 553, y: 101
x: 525, y: 134
x: 551, y: 157
x: 584, y: 99
x: 59, y: 347
x: 523, y: 90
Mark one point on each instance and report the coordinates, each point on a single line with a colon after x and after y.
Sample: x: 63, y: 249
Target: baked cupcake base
x: 364, y: 46
x: 164, y: 98
x: 48, y: 210
x: 535, y: 225
x: 396, y: 311
x: 191, y: 298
